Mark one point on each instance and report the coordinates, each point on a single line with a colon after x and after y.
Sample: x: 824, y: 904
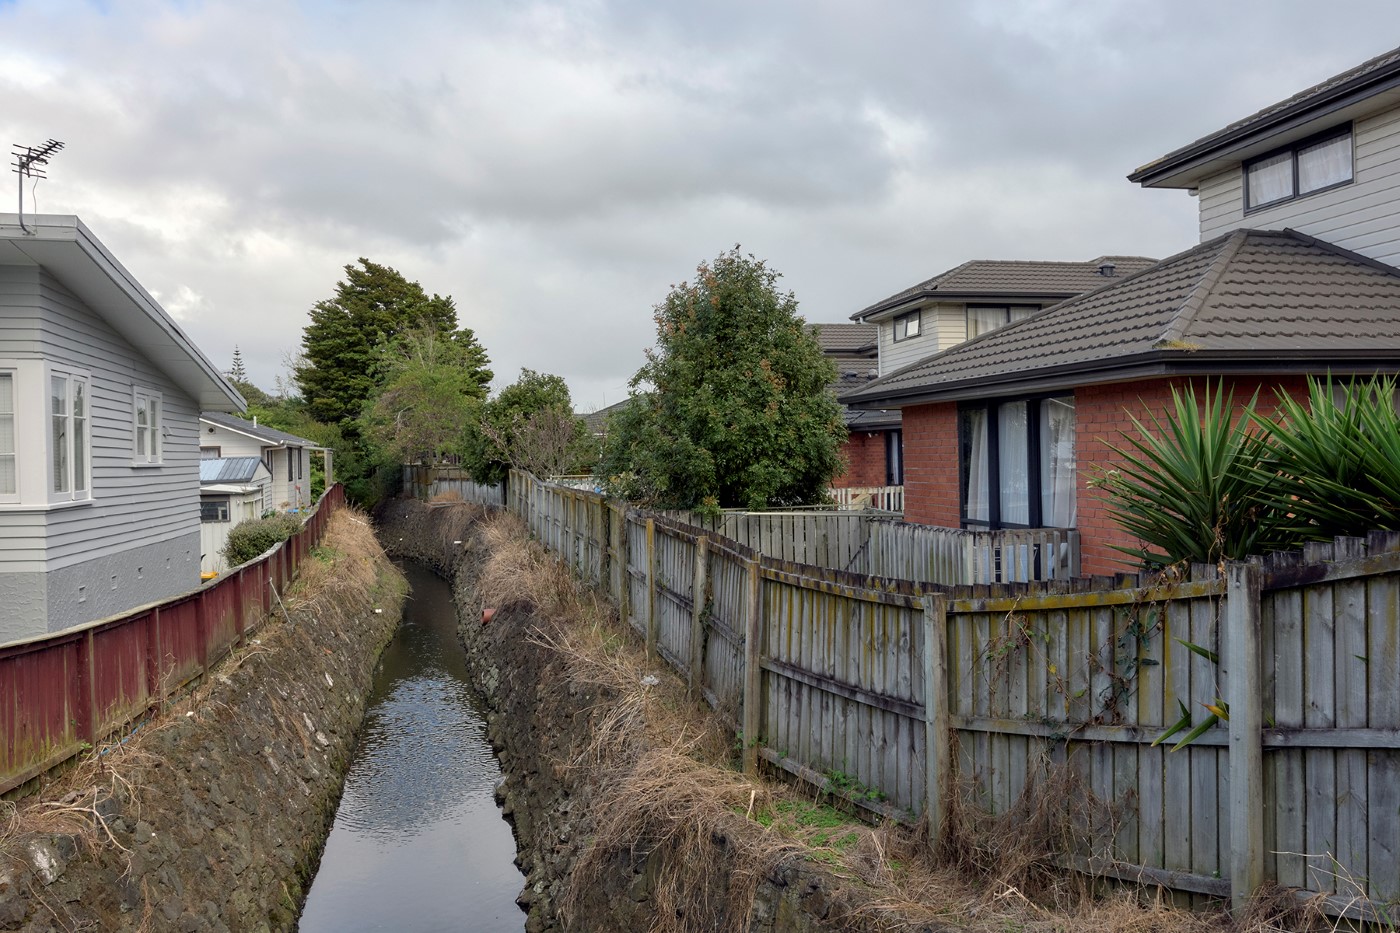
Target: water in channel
x: 418, y: 844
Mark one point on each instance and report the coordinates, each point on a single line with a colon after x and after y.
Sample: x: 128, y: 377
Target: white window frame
x: 903, y: 330
x: 78, y: 436
x: 150, y: 403
x: 10, y: 373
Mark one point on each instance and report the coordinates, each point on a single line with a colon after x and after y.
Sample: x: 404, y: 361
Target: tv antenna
x: 28, y: 164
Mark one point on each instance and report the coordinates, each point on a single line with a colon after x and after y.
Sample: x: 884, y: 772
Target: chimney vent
x: 1107, y: 269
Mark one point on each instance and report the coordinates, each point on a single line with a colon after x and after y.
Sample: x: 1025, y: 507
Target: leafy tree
x: 342, y: 345
x: 531, y: 425
x: 433, y: 385
x: 738, y: 410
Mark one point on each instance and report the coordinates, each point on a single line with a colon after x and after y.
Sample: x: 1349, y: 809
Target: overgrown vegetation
x: 669, y: 785
x: 731, y: 407
x: 253, y: 536
x: 1209, y: 481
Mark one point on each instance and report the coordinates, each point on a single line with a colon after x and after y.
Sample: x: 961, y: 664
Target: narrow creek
x: 418, y: 844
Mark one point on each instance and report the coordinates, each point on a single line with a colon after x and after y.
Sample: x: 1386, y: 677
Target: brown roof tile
x: 845, y: 337
x: 1249, y: 295
x: 993, y: 278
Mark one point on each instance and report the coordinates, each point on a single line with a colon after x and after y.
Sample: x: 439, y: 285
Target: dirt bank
x: 580, y: 720
x: 212, y: 815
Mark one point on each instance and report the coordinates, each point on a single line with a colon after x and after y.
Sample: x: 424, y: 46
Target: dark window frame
x: 1034, y: 469
x: 1004, y: 307
x: 222, y: 506
x: 1292, y: 149
x: 917, y: 315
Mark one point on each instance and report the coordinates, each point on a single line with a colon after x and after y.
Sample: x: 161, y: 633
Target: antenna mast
x: 28, y: 160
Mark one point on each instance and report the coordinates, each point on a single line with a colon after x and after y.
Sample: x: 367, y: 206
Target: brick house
x: 1299, y: 222
x: 873, y: 450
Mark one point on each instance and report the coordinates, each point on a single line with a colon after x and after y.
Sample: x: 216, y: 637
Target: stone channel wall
x: 213, y: 814
x: 539, y: 719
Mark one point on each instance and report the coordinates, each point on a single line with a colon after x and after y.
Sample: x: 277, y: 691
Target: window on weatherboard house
x: 1307, y: 167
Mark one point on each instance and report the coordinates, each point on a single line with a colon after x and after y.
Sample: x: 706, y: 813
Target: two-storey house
x: 1299, y: 216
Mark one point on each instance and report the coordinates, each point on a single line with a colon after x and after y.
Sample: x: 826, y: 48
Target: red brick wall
x: 1101, y: 417
x: 931, y: 464
x: 865, y: 460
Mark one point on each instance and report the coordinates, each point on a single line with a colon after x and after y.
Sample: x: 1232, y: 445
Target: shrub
x: 252, y: 537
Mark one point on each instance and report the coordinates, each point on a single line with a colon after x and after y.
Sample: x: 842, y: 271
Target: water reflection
x: 418, y: 843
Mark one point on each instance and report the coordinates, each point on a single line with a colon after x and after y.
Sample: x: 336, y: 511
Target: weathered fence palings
x: 64, y: 692
x: 837, y: 672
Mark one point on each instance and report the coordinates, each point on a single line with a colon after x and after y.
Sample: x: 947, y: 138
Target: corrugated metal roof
x: 1249, y: 295
x: 991, y: 279
x: 229, y: 470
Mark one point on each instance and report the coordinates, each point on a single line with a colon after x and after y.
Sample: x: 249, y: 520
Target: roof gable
x: 1256, y: 297
x: 65, y: 247
x: 269, y: 436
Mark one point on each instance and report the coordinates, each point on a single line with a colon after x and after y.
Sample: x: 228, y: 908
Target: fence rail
x: 896, y: 692
x: 69, y: 690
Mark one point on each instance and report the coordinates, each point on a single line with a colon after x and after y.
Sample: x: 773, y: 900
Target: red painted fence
x: 64, y: 692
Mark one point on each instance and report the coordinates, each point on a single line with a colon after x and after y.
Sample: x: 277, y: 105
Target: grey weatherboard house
x: 100, y: 395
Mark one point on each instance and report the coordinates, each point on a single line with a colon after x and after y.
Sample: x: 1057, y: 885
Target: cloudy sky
x: 555, y: 166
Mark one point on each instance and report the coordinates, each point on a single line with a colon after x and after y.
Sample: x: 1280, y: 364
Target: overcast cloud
x: 556, y: 166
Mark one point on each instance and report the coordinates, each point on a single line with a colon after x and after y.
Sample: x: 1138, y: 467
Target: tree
x: 530, y: 425
x: 343, y: 343
x: 236, y: 372
x: 738, y: 411
x: 433, y: 385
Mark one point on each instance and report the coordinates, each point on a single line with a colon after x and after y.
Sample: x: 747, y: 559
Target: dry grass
x: 669, y: 787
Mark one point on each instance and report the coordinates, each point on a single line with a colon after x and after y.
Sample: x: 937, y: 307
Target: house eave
x: 1185, y: 167
x: 887, y: 309
x: 1153, y: 365
x: 74, y: 255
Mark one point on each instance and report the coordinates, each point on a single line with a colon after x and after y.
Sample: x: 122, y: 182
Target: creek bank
x: 211, y: 817
x: 544, y: 719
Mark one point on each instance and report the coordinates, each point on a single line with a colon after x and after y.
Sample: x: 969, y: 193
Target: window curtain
x: 1325, y: 163
x: 975, y: 465
x: 1271, y: 179
x: 1057, y: 466
x: 1013, y: 464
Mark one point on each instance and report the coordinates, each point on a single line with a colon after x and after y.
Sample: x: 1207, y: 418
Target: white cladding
x: 1363, y: 216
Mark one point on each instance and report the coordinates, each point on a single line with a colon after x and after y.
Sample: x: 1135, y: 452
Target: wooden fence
x: 64, y: 692
x: 899, y: 694
x: 426, y: 482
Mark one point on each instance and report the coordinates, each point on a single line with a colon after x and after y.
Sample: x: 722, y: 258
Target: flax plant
x: 1190, y: 488
x: 1335, y: 462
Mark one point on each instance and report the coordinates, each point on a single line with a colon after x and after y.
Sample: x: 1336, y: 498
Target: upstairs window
x: 1312, y: 165
x: 146, y: 417
x: 982, y: 319
x: 907, y: 325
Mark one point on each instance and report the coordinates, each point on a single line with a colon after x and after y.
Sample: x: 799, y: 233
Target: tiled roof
x: 597, y: 421
x: 993, y: 278
x: 271, y: 436
x: 228, y: 470
x: 1382, y: 67
x: 846, y: 337
x: 1265, y: 298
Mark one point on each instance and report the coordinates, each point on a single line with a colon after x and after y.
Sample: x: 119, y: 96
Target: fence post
x: 624, y: 597
x: 85, y: 703
x: 938, y: 760
x: 697, y: 616
x: 1246, y: 735
x: 753, y: 670
x: 653, y: 623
